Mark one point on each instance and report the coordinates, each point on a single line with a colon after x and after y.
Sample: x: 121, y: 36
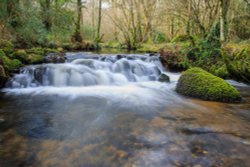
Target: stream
x: 109, y: 110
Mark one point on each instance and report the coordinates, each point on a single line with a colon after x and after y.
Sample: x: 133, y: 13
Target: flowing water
x: 110, y: 110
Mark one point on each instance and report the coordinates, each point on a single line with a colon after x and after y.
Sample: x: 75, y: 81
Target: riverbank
x: 177, y: 56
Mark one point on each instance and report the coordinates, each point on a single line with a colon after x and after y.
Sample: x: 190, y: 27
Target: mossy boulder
x: 8, y: 63
x: 6, y: 46
x: 36, y: 50
x: 36, y: 58
x: 198, y: 83
x: 21, y: 55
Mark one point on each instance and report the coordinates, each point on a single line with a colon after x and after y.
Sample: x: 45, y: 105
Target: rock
x: 21, y: 55
x: 198, y: 83
x: 37, y: 50
x: 3, y: 76
x: 10, y: 65
x: 164, y: 78
x: 36, y: 58
x: 55, y: 58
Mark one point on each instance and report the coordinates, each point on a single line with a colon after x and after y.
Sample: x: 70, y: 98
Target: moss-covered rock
x: 20, y: 55
x: 37, y: 50
x: 36, y: 58
x: 9, y: 64
x: 6, y: 46
x: 198, y: 83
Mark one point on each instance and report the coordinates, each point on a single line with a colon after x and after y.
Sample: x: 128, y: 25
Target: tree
x: 77, y: 35
x: 46, y: 13
x: 99, y: 21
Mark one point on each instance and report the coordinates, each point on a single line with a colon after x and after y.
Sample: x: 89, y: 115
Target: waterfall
x: 84, y: 69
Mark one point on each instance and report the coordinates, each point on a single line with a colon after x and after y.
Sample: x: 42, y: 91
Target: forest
x: 207, y: 34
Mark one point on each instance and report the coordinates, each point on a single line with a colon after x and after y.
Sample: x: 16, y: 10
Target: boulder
x: 198, y: 83
x: 55, y: 58
x: 164, y: 78
x: 3, y: 76
x: 21, y: 55
x: 9, y: 64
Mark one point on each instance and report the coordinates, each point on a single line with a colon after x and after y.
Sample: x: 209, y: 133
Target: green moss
x: 182, y: 38
x: 6, y: 46
x: 238, y: 65
x: 20, y: 55
x: 67, y: 46
x: 198, y: 83
x: 8, y: 63
x: 220, y: 71
x: 150, y: 48
x: 48, y: 50
x: 38, y: 50
x: 36, y: 58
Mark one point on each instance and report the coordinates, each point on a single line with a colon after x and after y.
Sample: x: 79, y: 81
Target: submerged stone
x: 164, y: 78
x: 198, y: 83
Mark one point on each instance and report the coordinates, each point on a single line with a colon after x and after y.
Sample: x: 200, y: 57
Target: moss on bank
x: 198, y: 83
x: 9, y: 64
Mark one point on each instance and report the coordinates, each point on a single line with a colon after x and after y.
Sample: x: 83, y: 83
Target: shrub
x: 6, y: 46
x: 238, y: 65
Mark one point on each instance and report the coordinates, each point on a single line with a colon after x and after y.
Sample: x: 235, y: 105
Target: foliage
x: 220, y: 70
x: 241, y: 26
x: 238, y: 65
x: 182, y: 38
x: 175, y: 59
x: 198, y: 83
x: 6, y: 46
x: 159, y: 37
x: 206, y: 52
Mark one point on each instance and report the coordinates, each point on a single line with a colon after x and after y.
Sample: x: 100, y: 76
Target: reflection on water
x: 134, y: 125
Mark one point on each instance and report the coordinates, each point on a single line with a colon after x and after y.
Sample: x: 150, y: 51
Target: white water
x: 84, y: 70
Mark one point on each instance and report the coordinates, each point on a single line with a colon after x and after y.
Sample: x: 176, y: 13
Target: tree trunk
x: 12, y: 12
x: 189, y: 17
x: 77, y: 35
x: 224, y: 5
x: 46, y: 9
x: 98, y: 37
x: 222, y: 22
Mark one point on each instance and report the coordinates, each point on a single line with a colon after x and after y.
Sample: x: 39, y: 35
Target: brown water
x: 127, y: 126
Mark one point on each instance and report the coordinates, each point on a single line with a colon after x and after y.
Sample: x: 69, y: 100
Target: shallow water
x: 135, y: 123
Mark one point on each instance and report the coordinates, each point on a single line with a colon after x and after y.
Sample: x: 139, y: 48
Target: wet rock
x: 164, y: 78
x: 55, y: 58
x: 3, y: 77
x: 120, y: 57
